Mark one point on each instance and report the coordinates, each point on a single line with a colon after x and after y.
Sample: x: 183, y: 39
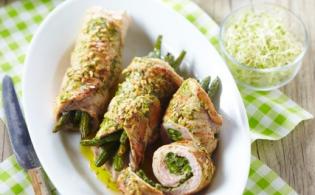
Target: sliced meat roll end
x: 191, y: 115
x: 132, y: 184
x: 95, y: 65
x: 200, y: 167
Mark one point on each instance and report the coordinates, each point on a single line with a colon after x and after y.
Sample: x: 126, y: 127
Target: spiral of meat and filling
x: 182, y: 167
x: 191, y: 115
x: 94, y: 71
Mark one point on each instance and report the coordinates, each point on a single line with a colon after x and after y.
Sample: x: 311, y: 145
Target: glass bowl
x: 266, y: 78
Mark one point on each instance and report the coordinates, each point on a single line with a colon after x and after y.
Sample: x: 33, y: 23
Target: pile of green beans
x: 77, y: 119
x: 211, y: 87
x: 169, y: 58
x: 114, y: 145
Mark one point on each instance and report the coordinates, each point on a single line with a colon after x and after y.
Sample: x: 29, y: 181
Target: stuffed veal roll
x: 191, y: 115
x: 95, y: 70
x: 182, y: 167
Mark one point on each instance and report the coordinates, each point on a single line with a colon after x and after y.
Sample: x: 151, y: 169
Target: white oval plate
x: 48, y: 58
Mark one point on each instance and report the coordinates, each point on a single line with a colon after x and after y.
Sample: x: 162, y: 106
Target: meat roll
x: 131, y: 183
x: 147, y: 83
x: 95, y: 69
x: 191, y: 115
x: 138, y: 117
x: 182, y: 167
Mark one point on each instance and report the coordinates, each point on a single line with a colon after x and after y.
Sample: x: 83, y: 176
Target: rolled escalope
x: 94, y: 71
x: 191, y: 115
x: 182, y: 167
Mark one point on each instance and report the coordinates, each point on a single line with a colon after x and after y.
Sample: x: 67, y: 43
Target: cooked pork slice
x: 182, y: 167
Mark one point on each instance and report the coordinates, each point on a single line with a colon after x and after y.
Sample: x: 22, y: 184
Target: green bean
x: 92, y: 142
x: 174, y: 134
x: 118, y: 162
x: 174, y: 62
x: 104, y: 154
x: 64, y: 118
x: 158, y: 43
x: 84, y: 124
x: 98, y: 142
x: 169, y: 58
x: 214, y: 87
x: 145, y: 178
x: 77, y: 116
x: 156, y: 53
x: 205, y: 83
x: 123, y: 147
x: 123, y: 137
x: 179, y: 60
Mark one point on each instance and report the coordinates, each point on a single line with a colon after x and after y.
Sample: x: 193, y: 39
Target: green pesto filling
x: 174, y: 135
x: 145, y: 178
x: 178, y: 165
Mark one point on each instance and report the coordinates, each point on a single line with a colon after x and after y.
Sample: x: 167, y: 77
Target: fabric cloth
x: 272, y: 115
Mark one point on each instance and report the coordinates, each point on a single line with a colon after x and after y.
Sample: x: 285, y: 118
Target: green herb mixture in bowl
x: 264, y: 45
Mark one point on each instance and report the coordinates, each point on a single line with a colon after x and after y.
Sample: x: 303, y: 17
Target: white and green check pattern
x: 263, y: 181
x: 18, y: 22
x: 13, y: 179
x: 272, y: 115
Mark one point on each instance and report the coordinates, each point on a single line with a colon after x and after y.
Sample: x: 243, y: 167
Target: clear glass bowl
x: 266, y: 78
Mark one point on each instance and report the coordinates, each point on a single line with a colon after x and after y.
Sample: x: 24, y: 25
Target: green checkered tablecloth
x: 272, y: 115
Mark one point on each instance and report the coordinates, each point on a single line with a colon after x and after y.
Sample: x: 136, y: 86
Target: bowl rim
x: 264, y: 70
